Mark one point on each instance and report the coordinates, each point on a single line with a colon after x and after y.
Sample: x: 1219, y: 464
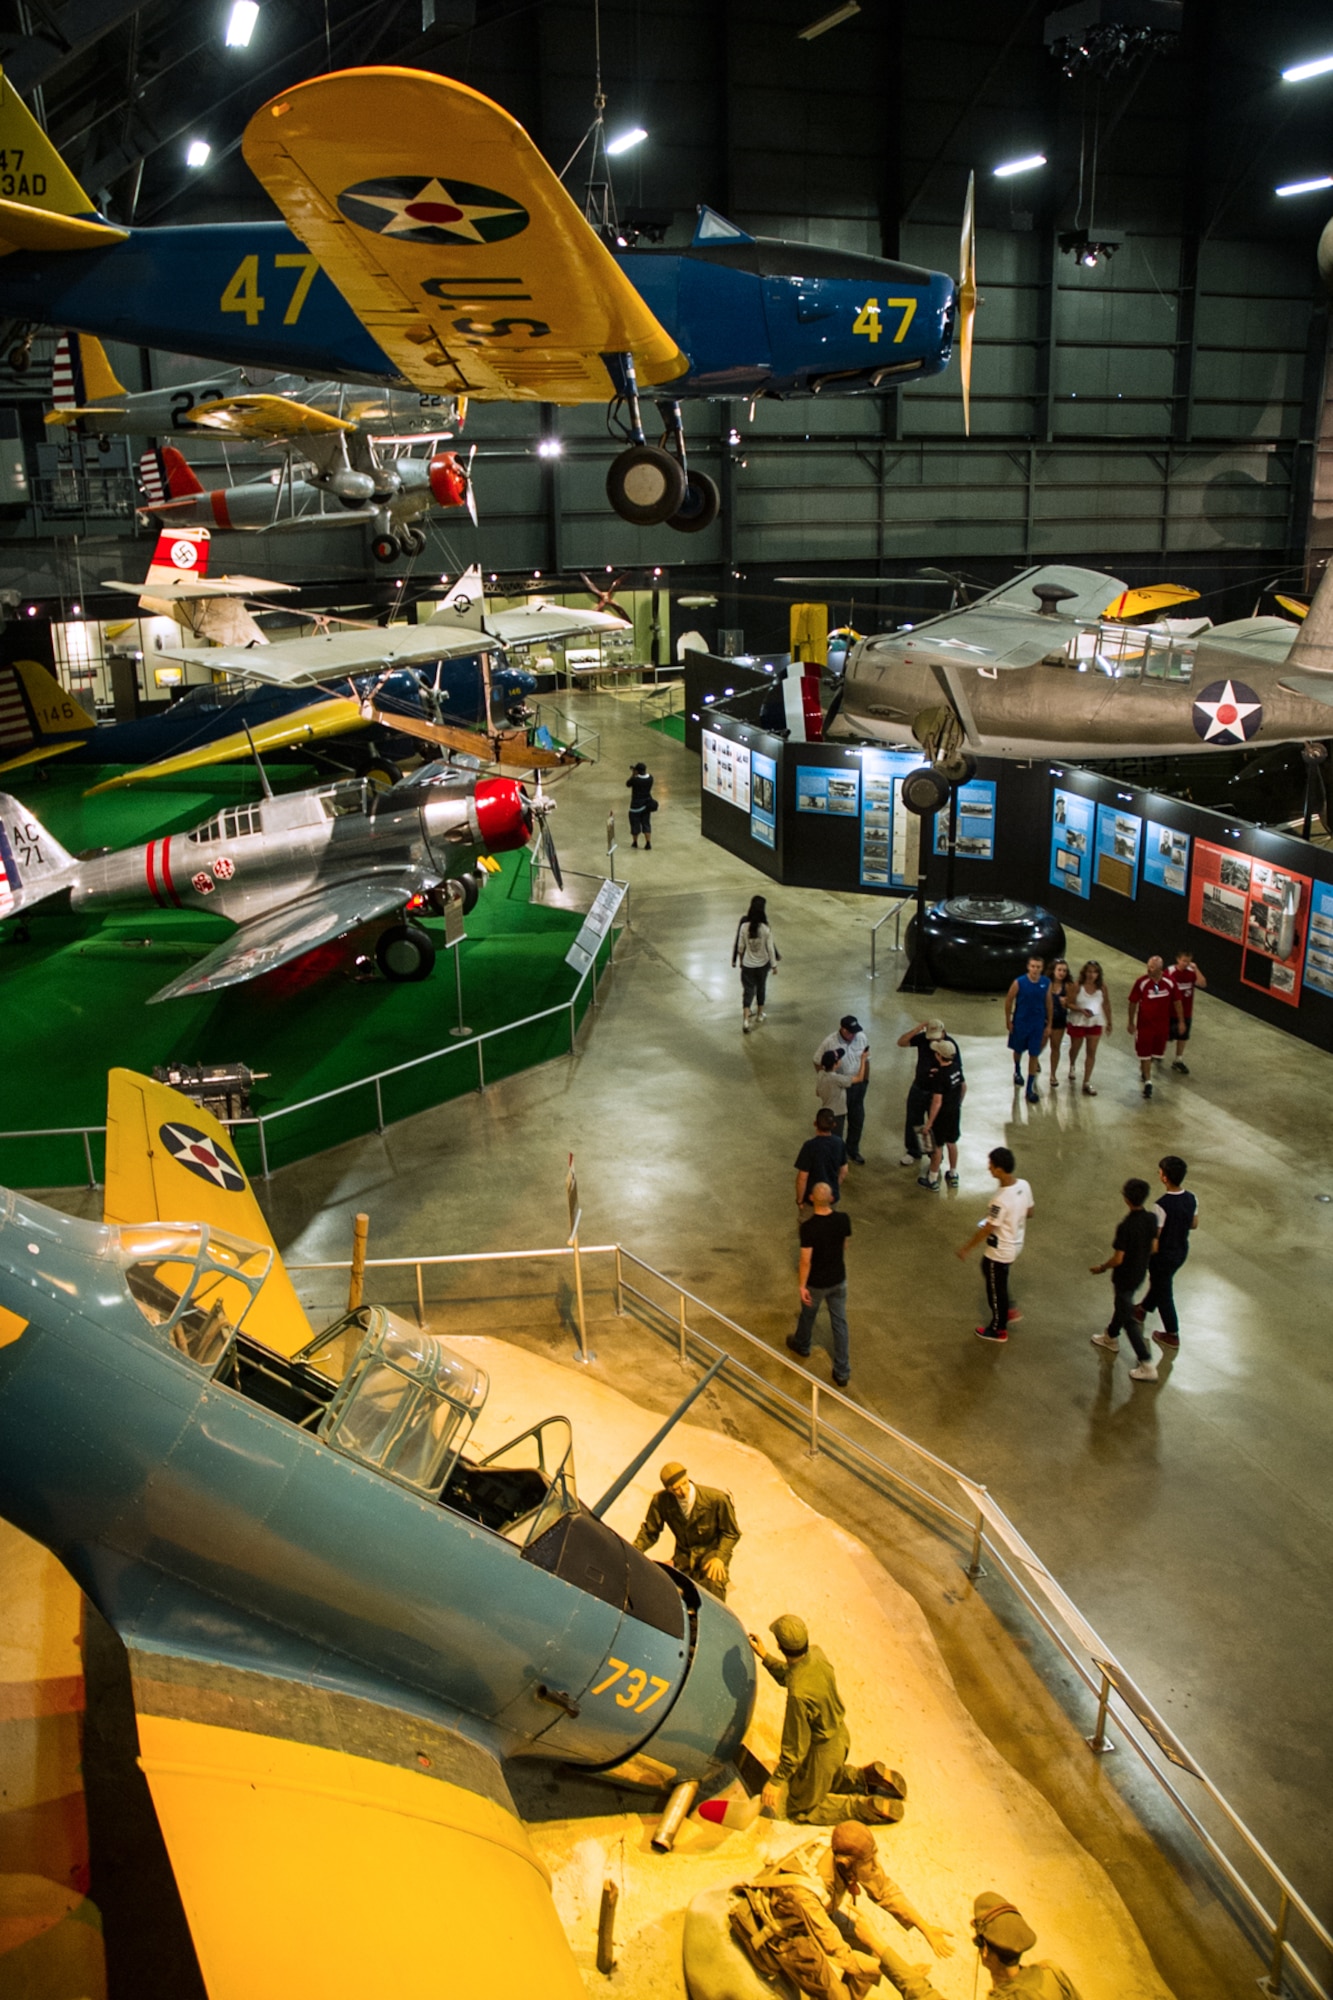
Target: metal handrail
x: 668, y: 688
x: 379, y: 1077
x: 895, y: 910
x: 992, y: 1534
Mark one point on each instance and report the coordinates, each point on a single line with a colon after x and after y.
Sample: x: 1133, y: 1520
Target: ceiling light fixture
x: 1076, y: 243
x: 197, y: 152
x: 241, y: 23
x: 550, y: 447
x: 827, y: 21
x: 1306, y: 187
x: 623, y: 142
x: 1023, y: 166
x: 1300, y: 72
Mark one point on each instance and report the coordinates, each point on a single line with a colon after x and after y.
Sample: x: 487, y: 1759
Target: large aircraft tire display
x: 699, y: 509
x: 405, y: 953
x: 645, y: 485
x: 977, y: 944
x: 925, y: 790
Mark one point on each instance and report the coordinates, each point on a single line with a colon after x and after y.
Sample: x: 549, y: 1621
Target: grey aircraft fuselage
x: 1020, y: 683
x: 185, y: 408
x: 227, y: 1507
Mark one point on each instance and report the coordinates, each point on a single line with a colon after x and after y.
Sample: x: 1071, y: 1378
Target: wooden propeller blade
x: 967, y: 299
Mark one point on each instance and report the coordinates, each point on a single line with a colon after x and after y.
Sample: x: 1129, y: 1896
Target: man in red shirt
x: 1154, y: 999
x: 1185, y: 976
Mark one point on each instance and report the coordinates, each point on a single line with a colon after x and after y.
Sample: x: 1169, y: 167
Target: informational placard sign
x: 976, y: 822
x: 1119, y: 837
x: 1319, y: 944
x: 1263, y: 909
x: 1166, y: 857
x: 763, y: 799
x: 820, y: 790
x: 890, y: 834
x: 1072, y: 821
x: 596, y: 925
x: 1219, y: 890
x: 726, y: 769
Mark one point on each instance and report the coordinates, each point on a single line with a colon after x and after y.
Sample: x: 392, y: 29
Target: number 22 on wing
x: 635, y: 1684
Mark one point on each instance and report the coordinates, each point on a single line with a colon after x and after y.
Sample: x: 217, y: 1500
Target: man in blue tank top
x: 1027, y: 1016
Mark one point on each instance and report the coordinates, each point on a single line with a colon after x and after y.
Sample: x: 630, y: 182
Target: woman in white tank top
x: 1088, y: 1006
x: 756, y: 954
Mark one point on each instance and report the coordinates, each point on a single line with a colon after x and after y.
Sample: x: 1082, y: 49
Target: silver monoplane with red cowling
x: 295, y: 872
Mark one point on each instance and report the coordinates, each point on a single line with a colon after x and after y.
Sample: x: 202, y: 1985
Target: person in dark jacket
x: 642, y: 804
x: 703, y: 1521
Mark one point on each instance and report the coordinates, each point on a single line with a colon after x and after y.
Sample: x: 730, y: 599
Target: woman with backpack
x: 757, y: 955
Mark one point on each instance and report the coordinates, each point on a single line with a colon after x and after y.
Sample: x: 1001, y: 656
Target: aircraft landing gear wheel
x: 414, y: 541
x: 405, y: 953
x: 382, y: 772
x: 645, y: 485
x: 20, y: 357
x: 384, y: 549
x: 960, y: 769
x: 699, y: 509
x: 471, y: 888
x: 925, y: 790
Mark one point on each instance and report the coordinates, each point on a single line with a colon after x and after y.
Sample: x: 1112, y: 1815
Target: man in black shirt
x: 823, y: 1158
x: 823, y: 1277
x: 1135, y: 1242
x: 918, y: 1039
x: 642, y: 804
x: 945, y: 1090
x: 1177, y: 1214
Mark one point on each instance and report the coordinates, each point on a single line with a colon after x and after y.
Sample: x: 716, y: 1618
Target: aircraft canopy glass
x: 407, y: 1402
x: 1129, y: 652
x: 193, y: 1284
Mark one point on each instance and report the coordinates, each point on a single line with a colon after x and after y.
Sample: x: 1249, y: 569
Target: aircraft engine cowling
x: 448, y: 481
x: 503, y: 814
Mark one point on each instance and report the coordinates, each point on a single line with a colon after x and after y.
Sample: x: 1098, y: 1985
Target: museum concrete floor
x: 1190, y: 1519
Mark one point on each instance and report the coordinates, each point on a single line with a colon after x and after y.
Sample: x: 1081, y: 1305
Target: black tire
x: 385, y: 549
x: 925, y: 790
x: 961, y: 768
x: 700, y: 507
x: 405, y: 953
x: 471, y: 889
x: 413, y: 541
x: 645, y: 485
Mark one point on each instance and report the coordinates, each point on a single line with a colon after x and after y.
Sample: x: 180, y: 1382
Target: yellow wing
x: 304, y: 725
x: 263, y: 417
x: 451, y: 239
x: 39, y: 755
x: 1151, y: 597
x: 153, y: 1176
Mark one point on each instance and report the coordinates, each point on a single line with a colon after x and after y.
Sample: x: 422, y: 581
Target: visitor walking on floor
x: 1027, y: 1021
x: 1154, y: 1002
x: 918, y: 1038
x: 1176, y: 1214
x: 756, y: 954
x: 1062, y: 986
x: 1134, y: 1243
x: 823, y: 1281
x: 851, y: 1045
x: 1088, y: 1006
x: 1002, y: 1230
x: 1185, y: 976
x: 642, y: 805
x: 944, y: 1113
x: 823, y: 1158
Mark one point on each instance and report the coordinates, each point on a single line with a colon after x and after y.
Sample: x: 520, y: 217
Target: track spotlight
x: 1076, y: 243
x: 241, y: 24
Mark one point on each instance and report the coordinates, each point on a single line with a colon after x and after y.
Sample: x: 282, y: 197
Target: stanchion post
x: 620, y: 1285
x: 682, y: 1328
x: 88, y: 1156
x: 1099, y: 1742
x: 814, y: 1420
x: 379, y: 1107
x: 578, y: 1296
x: 1277, y: 1964
x: 975, y: 1567
x: 421, y: 1298
x: 356, y: 1279
x: 573, y: 1029
x: 263, y: 1152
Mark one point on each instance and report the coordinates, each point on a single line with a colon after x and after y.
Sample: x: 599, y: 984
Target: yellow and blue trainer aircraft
x: 426, y: 243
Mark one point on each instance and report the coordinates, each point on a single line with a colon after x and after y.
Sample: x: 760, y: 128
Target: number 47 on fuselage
x: 471, y: 274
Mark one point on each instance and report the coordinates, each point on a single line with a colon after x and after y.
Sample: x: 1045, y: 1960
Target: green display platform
x: 670, y: 725
x: 73, y: 998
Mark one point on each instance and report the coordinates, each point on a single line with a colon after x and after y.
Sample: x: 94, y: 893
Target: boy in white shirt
x: 831, y: 1090
x: 1001, y: 1229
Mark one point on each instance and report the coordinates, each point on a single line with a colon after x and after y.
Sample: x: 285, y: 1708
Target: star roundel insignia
x: 191, y: 1148
x: 432, y: 210
x: 1227, y: 712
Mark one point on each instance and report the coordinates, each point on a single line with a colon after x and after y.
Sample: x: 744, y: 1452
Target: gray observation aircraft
x: 294, y: 872
x: 345, y: 1613
x: 1037, y: 668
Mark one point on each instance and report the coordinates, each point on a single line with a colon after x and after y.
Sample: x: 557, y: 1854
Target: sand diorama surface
x: 971, y: 1823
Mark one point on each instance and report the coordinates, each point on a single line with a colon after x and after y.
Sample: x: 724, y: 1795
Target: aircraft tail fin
x: 168, y: 1160
x: 81, y: 374
x: 181, y: 556
x: 1313, y: 644
x: 45, y: 208
x: 465, y: 604
x: 165, y: 474
x: 54, y: 710
x: 33, y: 864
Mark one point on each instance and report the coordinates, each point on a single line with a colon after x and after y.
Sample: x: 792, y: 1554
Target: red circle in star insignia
x: 432, y: 211
x: 1227, y: 714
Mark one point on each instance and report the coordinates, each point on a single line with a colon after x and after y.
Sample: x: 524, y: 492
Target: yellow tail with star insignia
x: 452, y: 240
x: 168, y: 1160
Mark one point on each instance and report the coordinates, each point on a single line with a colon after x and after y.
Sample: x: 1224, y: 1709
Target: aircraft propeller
x: 967, y: 299
x: 539, y: 809
x: 606, y: 599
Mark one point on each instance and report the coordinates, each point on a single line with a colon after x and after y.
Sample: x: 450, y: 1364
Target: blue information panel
x: 890, y: 835
x: 763, y: 799
x: 1072, y: 820
x: 1119, y: 837
x: 1319, y: 945
x: 1166, y: 857
x: 976, y: 822
x: 821, y: 790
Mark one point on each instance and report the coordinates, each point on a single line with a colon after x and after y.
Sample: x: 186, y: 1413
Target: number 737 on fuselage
x: 425, y: 242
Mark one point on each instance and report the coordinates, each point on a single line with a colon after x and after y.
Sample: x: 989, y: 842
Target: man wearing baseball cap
x: 1002, y: 1934
x: 822, y: 1787
x: 851, y: 1044
x: 703, y: 1521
